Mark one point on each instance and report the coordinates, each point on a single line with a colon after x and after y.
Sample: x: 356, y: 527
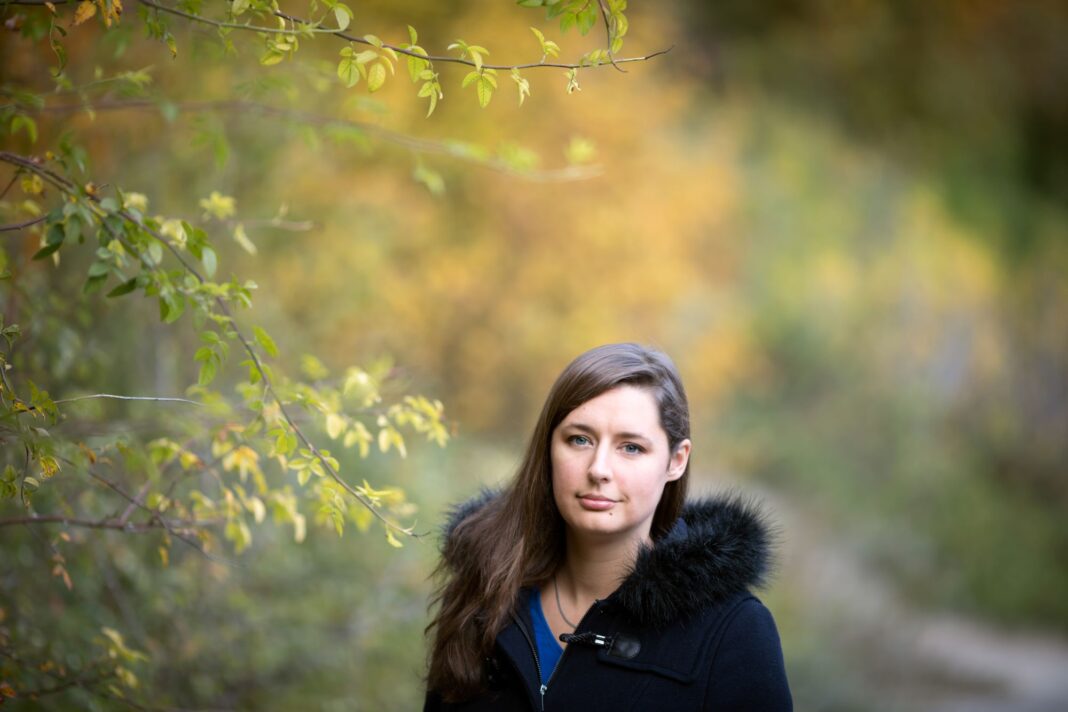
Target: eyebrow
x: 622, y: 436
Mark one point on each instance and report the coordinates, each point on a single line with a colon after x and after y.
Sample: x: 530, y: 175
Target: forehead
x: 622, y: 409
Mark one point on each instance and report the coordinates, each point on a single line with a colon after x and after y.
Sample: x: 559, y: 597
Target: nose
x: 600, y: 469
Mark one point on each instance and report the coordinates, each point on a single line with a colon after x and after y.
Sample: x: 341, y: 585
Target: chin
x: 597, y: 523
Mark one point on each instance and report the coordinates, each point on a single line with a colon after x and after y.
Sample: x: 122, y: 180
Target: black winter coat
x: 682, y: 632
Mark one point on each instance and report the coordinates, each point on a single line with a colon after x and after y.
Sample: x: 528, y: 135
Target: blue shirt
x: 549, y: 651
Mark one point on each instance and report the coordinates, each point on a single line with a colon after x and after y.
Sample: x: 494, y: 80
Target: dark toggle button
x: 625, y: 646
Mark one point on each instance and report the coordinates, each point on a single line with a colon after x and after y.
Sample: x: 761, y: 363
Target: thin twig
x: 307, y: 26
x: 164, y: 523
x: 129, y: 398
x: 277, y: 223
x: 608, y: 31
x: 9, y: 184
x: 19, y: 226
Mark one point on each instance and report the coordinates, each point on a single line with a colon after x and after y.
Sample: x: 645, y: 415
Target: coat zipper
x: 534, y: 652
x: 537, y: 663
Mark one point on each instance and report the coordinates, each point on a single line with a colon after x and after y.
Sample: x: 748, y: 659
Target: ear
x: 679, y: 459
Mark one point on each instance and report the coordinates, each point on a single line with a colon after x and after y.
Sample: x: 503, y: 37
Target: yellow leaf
x: 49, y: 466
x: 218, y: 205
x: 335, y: 425
x: 256, y: 506
x: 362, y: 516
x: 110, y: 10
x: 244, y: 458
x: 241, y: 238
x: 32, y: 184
x: 85, y: 11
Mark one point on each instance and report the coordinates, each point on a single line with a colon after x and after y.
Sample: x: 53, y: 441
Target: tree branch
x: 396, y: 48
x: 135, y: 503
x: 135, y: 527
x: 19, y: 226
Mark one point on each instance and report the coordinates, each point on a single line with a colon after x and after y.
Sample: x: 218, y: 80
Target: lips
x: 596, y: 502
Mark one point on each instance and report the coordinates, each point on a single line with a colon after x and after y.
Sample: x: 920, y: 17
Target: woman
x: 588, y: 583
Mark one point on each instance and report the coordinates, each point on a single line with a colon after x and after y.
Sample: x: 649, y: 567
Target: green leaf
x: 348, y: 72
x: 271, y: 57
x: 207, y: 372
x: 484, y: 87
x: 22, y: 121
x: 171, y: 307
x: 343, y: 15
x: 253, y: 372
x: 45, y: 251
x: 264, y: 340
x: 376, y: 77
x: 433, y: 102
x: 94, y: 283
x: 412, y: 34
x: 124, y: 288
x: 155, y: 251
x: 587, y: 18
x: 416, y: 67
x: 368, y: 55
x: 207, y: 256
x: 56, y: 234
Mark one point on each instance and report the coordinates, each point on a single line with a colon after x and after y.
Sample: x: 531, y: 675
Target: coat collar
x: 719, y: 547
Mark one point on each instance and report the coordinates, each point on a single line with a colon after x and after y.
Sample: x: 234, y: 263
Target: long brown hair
x: 516, y: 538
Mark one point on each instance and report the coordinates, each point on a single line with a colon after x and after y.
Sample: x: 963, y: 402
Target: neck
x: 593, y: 569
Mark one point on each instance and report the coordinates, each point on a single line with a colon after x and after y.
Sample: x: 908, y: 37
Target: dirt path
x: 915, y: 659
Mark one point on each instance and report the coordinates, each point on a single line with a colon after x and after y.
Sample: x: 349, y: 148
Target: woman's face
x: 610, y: 462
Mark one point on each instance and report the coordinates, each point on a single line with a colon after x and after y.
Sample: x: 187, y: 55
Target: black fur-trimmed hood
x: 719, y: 547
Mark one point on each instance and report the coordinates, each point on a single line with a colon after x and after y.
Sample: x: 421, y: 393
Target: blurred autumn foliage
x: 845, y: 221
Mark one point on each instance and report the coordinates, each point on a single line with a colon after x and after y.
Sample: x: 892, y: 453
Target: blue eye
x: 578, y: 440
x: 633, y: 449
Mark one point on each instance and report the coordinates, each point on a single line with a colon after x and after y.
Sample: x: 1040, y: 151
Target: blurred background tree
x: 844, y: 221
